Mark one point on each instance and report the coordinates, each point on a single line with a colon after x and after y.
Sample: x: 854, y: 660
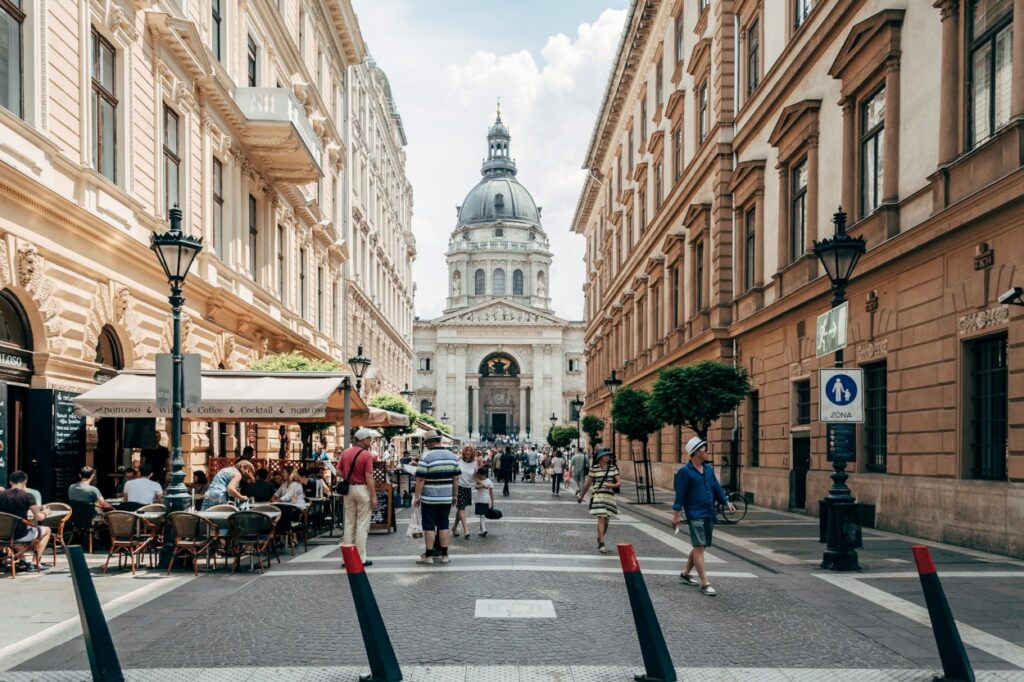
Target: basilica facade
x: 498, y: 361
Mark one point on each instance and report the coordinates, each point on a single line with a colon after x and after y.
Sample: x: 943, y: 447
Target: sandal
x: 601, y: 548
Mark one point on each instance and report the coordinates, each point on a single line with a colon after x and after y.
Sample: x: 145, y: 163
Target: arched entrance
x: 110, y: 431
x: 15, y: 379
x: 500, y: 411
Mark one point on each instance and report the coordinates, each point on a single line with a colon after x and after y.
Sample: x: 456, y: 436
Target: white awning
x: 229, y: 396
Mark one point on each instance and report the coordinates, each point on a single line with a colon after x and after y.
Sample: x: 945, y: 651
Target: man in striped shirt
x: 437, y: 479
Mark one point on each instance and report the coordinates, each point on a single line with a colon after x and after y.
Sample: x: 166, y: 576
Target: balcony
x: 280, y: 135
x: 498, y: 246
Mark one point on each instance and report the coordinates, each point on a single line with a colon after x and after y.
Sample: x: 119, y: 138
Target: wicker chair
x: 130, y: 534
x: 250, y: 535
x: 82, y: 522
x: 155, y: 507
x: 130, y: 506
x: 193, y: 535
x: 10, y: 550
x: 223, y: 507
x: 57, y: 525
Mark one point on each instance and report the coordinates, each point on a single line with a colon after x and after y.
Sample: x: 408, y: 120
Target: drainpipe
x: 735, y: 442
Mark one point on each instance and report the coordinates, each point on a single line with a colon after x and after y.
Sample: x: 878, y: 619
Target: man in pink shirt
x: 356, y: 467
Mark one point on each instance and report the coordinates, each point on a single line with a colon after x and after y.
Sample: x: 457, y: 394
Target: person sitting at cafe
x: 143, y: 489
x: 199, y: 483
x: 227, y: 484
x: 316, y: 484
x: 129, y: 473
x: 85, y: 491
x: 19, y: 501
x: 294, y: 491
x: 261, y: 489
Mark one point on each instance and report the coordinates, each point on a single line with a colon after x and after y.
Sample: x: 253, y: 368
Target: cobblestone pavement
x: 773, y: 610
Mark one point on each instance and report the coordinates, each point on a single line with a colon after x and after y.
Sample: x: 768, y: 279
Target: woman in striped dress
x: 604, y: 479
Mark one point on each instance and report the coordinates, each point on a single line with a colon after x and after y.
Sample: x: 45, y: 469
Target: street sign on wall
x: 840, y: 398
x: 830, y: 334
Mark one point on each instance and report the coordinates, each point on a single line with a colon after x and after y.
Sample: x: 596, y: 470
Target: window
x: 216, y: 28
x: 872, y: 148
x: 618, y: 170
x: 659, y: 82
x: 425, y: 367
x: 989, y: 406
x: 280, y: 262
x: 699, y: 285
x: 608, y: 196
x: 172, y: 161
x: 753, y: 54
x: 320, y: 298
x: 498, y: 282
x: 801, y: 10
x: 479, y: 283
x: 754, y: 427
x: 517, y: 282
x: 251, y: 62
x: 702, y: 113
x: 989, y: 67
x: 335, y: 319
x: 798, y: 210
x: 574, y: 364
x: 303, y: 293
x: 104, y: 107
x: 875, y: 410
x: 659, y: 184
x: 253, y: 237
x: 677, y: 154
x: 677, y: 32
x: 675, y: 296
x: 643, y: 119
x: 499, y: 232
x: 641, y: 200
x: 218, y: 208
x: 749, y: 247
x: 629, y: 153
x: 12, y: 21
x: 803, y: 401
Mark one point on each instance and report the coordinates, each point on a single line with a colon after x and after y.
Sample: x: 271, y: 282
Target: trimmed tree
x: 562, y: 436
x: 697, y: 395
x: 593, y: 426
x: 296, y: 362
x: 633, y: 416
x: 395, y: 403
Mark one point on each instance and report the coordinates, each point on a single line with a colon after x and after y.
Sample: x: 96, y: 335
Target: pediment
x: 499, y: 312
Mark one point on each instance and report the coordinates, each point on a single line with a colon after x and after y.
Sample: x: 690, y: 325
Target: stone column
x: 1017, y: 80
x: 759, y: 239
x: 557, y: 362
x: 891, y: 174
x: 784, y: 248
x: 523, y: 414
x: 949, y: 109
x: 441, y: 374
x: 850, y: 203
x: 812, y: 194
x: 460, y: 418
x: 539, y: 397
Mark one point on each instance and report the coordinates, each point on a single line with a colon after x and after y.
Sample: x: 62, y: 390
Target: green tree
x: 435, y: 422
x: 296, y: 362
x: 593, y: 426
x: 395, y: 403
x: 562, y: 436
x: 698, y: 394
x: 633, y: 415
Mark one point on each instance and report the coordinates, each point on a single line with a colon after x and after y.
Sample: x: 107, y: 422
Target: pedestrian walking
x: 437, y: 482
x: 505, y: 472
x: 483, y: 498
x: 579, y: 469
x: 557, y: 469
x: 356, y: 469
x: 604, y: 479
x: 532, y: 462
x: 467, y: 470
x: 696, y: 492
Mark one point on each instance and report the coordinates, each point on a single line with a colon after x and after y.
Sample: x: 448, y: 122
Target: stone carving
x: 541, y: 288
x: 30, y: 267
x: 5, y: 266
x: 122, y: 304
x: 498, y: 314
x: 799, y: 369
x: 457, y: 284
x: 983, y: 319
x: 229, y: 350
x: 872, y: 349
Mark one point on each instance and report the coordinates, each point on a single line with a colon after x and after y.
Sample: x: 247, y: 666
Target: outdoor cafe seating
x: 130, y: 535
x: 193, y: 536
x: 10, y: 549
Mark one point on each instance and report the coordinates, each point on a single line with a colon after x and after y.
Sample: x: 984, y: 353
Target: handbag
x: 493, y: 514
x: 342, y: 486
x: 599, y: 486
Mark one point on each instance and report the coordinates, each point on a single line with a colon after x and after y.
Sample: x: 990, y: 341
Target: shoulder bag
x: 600, y: 485
x: 342, y: 486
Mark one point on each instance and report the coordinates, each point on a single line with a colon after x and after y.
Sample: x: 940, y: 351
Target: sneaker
x: 425, y: 559
x: 688, y: 580
x: 445, y: 559
x: 708, y: 590
x: 483, y: 535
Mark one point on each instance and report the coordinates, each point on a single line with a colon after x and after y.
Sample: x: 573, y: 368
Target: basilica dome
x: 498, y: 198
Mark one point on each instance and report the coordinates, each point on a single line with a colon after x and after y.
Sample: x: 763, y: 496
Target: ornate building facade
x: 381, y: 244
x: 729, y: 134
x: 498, y: 361
x: 111, y: 113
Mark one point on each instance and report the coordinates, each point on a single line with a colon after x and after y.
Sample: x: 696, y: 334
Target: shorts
x: 700, y: 532
x: 435, y: 516
x: 481, y: 508
x: 31, y: 536
x: 531, y: 469
x: 465, y: 498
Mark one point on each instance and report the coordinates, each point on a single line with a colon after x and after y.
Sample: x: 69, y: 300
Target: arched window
x: 108, y: 351
x: 479, y: 283
x: 14, y: 329
x: 517, y: 283
x: 424, y: 405
x: 498, y: 282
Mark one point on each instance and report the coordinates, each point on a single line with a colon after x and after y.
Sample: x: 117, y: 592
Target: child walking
x: 483, y: 497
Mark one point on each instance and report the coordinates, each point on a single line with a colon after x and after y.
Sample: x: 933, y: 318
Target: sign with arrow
x: 830, y: 333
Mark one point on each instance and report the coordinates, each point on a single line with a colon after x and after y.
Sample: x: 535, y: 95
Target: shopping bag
x: 415, y: 528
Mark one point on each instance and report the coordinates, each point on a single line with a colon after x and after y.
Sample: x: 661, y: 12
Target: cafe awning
x: 234, y: 396
x: 378, y: 418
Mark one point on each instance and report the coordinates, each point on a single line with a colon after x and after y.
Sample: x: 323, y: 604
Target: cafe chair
x: 272, y: 547
x: 10, y: 550
x: 127, y: 506
x: 193, y: 535
x: 130, y: 535
x: 82, y: 523
x: 223, y: 508
x: 155, y: 507
x: 250, y: 533
x: 57, y: 525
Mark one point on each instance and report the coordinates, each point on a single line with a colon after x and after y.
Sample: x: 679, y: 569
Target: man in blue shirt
x: 437, y: 484
x: 697, y: 489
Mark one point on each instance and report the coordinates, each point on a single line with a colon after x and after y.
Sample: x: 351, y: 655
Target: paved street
x: 775, y: 609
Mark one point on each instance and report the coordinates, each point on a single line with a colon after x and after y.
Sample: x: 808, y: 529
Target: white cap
x: 366, y: 433
x: 694, y: 444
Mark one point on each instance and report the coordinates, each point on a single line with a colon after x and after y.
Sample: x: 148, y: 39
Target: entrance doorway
x: 798, y: 480
x: 15, y: 378
x: 499, y: 424
x: 499, y: 396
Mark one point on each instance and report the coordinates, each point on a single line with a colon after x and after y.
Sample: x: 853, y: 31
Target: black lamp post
x: 612, y: 383
x: 430, y: 409
x: 176, y: 250
x: 407, y: 394
x: 577, y: 405
x: 839, y: 256
x: 359, y: 364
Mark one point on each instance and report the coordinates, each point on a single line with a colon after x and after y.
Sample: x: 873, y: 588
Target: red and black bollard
x: 98, y: 644
x: 657, y: 662
x: 956, y: 667
x: 383, y: 664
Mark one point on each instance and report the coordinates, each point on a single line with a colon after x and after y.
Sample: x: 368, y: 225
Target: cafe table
x: 220, y: 518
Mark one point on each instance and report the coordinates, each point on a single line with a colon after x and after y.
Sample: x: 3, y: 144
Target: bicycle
x: 739, y: 501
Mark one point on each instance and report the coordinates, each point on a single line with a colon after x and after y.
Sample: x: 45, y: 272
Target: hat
x: 601, y: 452
x: 432, y: 435
x: 695, y: 444
x: 366, y: 433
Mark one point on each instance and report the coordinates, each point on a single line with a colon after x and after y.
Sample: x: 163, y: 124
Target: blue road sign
x: 840, y: 396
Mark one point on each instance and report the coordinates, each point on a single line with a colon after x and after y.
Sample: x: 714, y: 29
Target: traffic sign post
x: 840, y: 397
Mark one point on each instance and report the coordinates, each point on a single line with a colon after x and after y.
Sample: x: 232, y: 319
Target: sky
x: 448, y: 61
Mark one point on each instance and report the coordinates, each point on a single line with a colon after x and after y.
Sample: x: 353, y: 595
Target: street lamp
x: 839, y: 256
x: 444, y: 418
x: 176, y: 250
x: 359, y: 364
x: 577, y: 405
x: 407, y: 394
x: 612, y: 383
x: 429, y: 410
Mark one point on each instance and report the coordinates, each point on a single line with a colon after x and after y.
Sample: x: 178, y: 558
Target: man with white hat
x: 437, y: 482
x: 356, y: 467
x: 697, y: 489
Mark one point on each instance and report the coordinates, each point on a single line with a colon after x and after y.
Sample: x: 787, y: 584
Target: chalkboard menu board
x: 56, y: 441
x: 380, y: 518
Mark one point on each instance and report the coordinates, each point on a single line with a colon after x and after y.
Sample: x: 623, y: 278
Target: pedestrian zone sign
x: 831, y: 330
x: 840, y: 396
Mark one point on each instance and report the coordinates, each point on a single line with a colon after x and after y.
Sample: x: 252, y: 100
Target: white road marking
x: 943, y: 574
x: 611, y: 557
x: 486, y: 568
x: 979, y: 639
x: 514, y: 608
x: 674, y: 542
x: 754, y: 548
x: 622, y: 518
x: 318, y: 553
